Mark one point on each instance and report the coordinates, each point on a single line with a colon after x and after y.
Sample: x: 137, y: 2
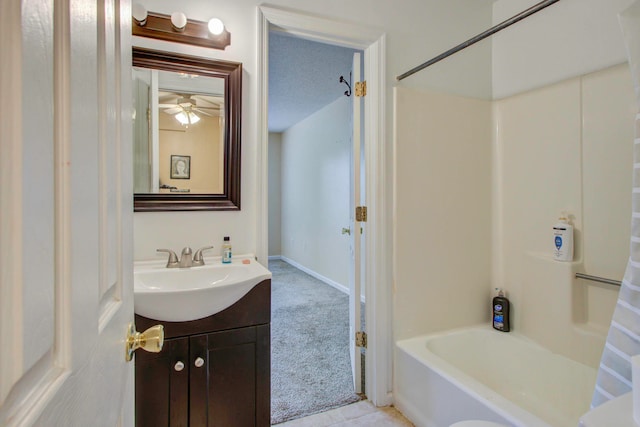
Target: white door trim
x: 377, y: 286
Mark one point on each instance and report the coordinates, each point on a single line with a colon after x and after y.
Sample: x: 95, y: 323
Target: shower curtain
x: 623, y: 340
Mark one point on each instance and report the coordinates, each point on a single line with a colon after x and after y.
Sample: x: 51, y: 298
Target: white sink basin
x: 182, y: 294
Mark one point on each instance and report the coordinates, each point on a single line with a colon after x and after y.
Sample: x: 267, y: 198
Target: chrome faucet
x: 186, y: 261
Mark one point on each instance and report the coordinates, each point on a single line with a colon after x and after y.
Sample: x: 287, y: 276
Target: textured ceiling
x: 303, y: 77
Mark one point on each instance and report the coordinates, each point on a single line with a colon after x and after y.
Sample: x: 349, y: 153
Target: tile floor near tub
x: 362, y: 413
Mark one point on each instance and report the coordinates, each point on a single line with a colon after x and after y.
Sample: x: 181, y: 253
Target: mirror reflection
x: 179, y: 132
x: 187, y: 132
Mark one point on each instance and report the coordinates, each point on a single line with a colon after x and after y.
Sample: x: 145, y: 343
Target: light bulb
x: 182, y: 118
x: 187, y: 118
x: 194, y: 118
x: 139, y: 14
x: 179, y: 21
x: 216, y: 26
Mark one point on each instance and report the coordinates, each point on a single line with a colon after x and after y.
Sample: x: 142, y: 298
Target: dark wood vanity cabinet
x: 211, y: 372
x: 162, y: 391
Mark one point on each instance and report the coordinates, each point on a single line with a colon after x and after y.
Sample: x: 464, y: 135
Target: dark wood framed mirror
x: 187, y: 129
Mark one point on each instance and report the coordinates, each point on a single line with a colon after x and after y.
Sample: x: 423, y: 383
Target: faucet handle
x: 173, y: 258
x: 197, y: 257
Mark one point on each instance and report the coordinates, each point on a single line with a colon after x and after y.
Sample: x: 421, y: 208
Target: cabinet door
x: 228, y: 390
x: 162, y: 385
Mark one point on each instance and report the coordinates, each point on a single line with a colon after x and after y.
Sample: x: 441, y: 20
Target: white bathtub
x: 480, y: 373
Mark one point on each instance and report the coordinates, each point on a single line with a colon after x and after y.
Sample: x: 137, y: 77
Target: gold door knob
x: 150, y: 340
x: 346, y: 231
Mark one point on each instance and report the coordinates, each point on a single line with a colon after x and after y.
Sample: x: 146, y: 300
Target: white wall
x: 315, y: 185
x: 568, y: 39
x: 275, y: 199
x: 416, y: 31
x: 442, y: 212
x: 566, y: 146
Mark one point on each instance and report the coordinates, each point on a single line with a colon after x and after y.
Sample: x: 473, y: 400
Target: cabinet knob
x: 179, y: 366
x: 199, y: 362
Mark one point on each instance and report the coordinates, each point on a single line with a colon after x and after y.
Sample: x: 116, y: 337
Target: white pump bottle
x: 563, y: 239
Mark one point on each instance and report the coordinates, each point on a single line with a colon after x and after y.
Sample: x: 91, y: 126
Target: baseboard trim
x: 312, y: 273
x: 318, y: 276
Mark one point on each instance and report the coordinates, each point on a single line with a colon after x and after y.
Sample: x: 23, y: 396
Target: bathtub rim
x: 416, y: 348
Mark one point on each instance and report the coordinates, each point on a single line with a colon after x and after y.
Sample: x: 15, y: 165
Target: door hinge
x: 361, y: 213
x: 361, y: 339
x: 361, y: 88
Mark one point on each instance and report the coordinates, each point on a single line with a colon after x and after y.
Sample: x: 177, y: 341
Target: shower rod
x: 598, y: 279
x: 501, y: 26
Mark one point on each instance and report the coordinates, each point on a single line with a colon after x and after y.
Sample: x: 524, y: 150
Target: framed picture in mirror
x: 180, y: 167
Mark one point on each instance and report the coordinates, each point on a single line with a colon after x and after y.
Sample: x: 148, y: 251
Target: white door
x: 356, y: 235
x: 66, y: 213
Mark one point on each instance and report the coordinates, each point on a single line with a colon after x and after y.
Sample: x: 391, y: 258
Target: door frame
x: 378, y: 266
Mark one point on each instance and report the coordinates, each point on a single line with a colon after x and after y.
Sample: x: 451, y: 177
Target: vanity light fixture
x: 178, y: 28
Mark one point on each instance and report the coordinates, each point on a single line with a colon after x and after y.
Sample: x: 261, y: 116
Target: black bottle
x: 501, y: 312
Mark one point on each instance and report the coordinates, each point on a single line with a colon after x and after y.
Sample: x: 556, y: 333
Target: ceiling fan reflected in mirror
x: 184, y: 106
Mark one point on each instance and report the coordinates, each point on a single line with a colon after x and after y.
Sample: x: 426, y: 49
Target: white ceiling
x: 190, y: 83
x: 303, y: 77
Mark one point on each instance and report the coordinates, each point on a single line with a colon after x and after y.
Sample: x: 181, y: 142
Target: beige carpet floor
x: 310, y: 366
